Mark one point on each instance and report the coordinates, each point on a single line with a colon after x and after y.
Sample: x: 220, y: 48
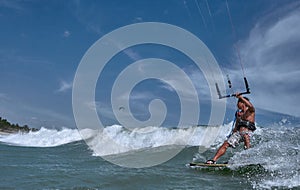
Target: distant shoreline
x: 7, y: 128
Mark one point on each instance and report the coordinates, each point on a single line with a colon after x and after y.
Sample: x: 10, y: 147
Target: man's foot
x: 210, y: 162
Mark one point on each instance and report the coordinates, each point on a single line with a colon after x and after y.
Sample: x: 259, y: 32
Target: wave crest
x: 42, y: 138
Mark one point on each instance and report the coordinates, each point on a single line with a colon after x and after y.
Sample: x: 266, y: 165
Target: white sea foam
x: 42, y: 138
x: 277, y: 150
x: 116, y: 139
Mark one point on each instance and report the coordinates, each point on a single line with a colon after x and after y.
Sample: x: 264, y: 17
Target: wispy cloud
x: 64, y: 86
x: 67, y: 33
x: 132, y: 54
x: 138, y: 19
x: 84, y: 17
x: 271, y: 56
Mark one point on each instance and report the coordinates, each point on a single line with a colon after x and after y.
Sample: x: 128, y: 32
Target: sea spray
x: 117, y: 139
x: 42, y: 138
x: 277, y: 151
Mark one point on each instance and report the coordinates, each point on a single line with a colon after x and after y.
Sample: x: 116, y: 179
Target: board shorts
x: 237, y: 137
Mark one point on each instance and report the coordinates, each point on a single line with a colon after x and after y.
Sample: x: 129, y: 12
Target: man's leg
x: 221, y: 151
x: 245, y: 133
x: 233, y: 140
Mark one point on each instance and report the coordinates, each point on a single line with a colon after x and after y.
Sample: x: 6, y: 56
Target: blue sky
x: 42, y: 43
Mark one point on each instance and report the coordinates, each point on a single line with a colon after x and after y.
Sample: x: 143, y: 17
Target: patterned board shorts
x: 237, y: 137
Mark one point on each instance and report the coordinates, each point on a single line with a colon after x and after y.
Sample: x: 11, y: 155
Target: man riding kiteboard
x: 244, y: 126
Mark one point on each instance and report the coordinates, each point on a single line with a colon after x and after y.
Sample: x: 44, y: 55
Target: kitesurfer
x: 244, y: 127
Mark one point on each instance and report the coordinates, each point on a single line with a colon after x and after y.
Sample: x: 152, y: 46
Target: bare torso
x: 249, y: 115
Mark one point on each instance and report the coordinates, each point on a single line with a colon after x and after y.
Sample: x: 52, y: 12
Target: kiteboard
x: 226, y: 167
x: 204, y: 165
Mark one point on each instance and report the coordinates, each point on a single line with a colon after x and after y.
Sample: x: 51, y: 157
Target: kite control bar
x: 232, y: 95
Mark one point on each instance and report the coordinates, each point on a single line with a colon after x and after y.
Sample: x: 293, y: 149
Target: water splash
x: 277, y: 150
x: 42, y: 138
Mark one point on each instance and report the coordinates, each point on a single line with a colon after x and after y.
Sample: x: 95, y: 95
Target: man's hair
x: 240, y: 100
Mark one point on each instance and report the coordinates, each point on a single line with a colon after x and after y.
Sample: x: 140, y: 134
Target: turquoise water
x: 28, y: 161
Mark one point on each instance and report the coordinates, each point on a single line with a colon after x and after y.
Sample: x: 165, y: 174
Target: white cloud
x: 67, y: 34
x: 132, y: 54
x: 65, y: 86
x: 271, y: 56
x: 138, y: 19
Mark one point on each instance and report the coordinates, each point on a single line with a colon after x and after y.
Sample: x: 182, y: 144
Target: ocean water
x: 60, y: 159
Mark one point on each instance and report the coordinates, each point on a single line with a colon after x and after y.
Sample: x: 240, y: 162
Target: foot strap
x: 210, y: 162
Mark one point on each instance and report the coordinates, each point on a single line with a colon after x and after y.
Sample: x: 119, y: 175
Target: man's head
x: 241, y: 100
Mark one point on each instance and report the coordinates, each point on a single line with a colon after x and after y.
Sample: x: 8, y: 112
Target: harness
x: 249, y: 125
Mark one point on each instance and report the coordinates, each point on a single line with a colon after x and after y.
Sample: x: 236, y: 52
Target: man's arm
x: 248, y: 103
